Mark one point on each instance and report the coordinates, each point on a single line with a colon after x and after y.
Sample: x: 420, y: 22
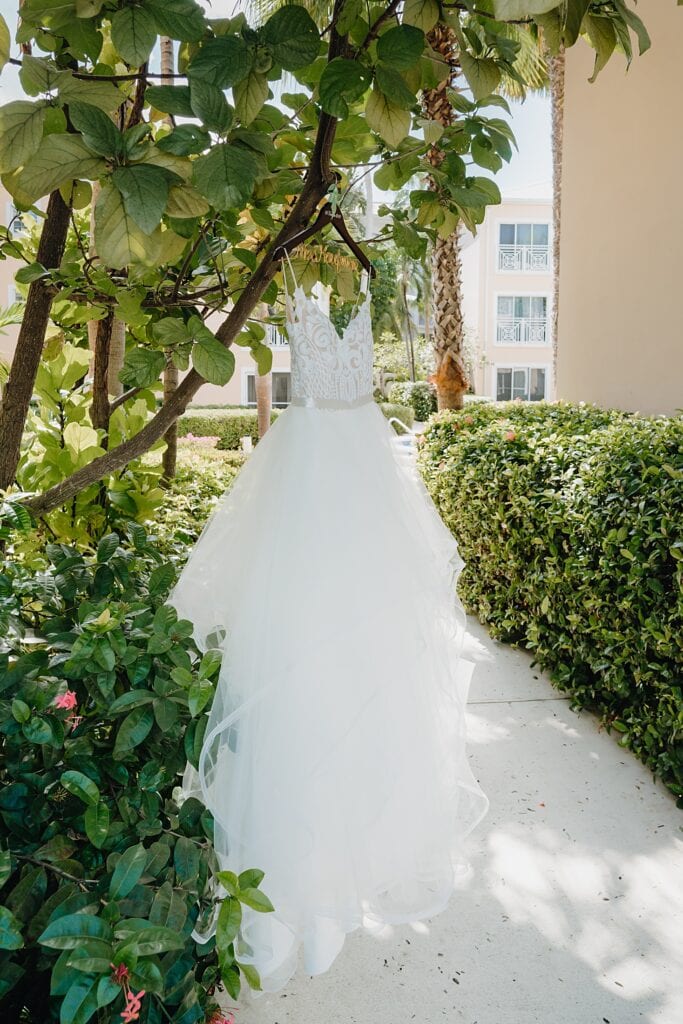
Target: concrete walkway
x: 573, y: 913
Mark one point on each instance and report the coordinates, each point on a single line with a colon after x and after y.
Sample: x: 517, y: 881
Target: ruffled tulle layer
x: 335, y: 753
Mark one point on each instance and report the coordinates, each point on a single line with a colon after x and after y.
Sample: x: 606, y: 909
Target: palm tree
x: 170, y: 456
x: 556, y: 76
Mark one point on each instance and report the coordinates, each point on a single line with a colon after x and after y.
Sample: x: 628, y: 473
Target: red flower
x: 66, y: 700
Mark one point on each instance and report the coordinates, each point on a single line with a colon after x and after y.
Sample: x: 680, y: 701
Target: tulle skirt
x: 335, y: 754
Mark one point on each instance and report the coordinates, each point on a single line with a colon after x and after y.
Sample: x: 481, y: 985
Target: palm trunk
x: 171, y: 377
x: 447, y: 328
x: 264, y: 394
x: 16, y: 397
x: 556, y: 65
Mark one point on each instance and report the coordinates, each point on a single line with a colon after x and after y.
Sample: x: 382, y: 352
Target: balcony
x: 275, y: 338
x: 524, y: 259
x: 518, y: 330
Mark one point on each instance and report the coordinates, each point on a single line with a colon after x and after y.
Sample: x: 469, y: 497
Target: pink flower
x: 66, y: 700
x: 131, y: 1010
x: 222, y: 1018
x: 510, y: 435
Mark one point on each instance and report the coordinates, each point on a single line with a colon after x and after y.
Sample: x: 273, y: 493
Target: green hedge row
x: 404, y: 413
x: 570, y: 519
x: 229, y: 425
x: 419, y: 395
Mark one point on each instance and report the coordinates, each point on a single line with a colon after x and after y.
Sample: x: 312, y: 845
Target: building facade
x: 507, y: 294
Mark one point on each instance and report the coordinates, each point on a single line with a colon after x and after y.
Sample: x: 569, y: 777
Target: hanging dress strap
x: 363, y: 291
x: 290, y: 293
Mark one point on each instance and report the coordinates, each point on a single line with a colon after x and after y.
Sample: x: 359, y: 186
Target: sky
x: 528, y: 173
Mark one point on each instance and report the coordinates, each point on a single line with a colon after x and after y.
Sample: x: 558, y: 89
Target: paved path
x: 573, y: 913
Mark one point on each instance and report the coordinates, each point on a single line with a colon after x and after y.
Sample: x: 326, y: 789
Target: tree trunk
x: 264, y: 400
x: 447, y: 327
x: 22, y: 376
x: 170, y: 456
x: 556, y: 66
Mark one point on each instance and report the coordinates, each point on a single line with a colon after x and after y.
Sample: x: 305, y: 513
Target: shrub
x: 229, y: 425
x: 569, y: 522
x: 404, y: 413
x: 420, y: 395
x: 103, y: 699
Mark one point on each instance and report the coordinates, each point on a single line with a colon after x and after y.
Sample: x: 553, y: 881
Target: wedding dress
x: 334, y: 759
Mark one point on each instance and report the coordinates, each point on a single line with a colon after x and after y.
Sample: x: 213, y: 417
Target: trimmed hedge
x: 569, y: 519
x: 401, y: 412
x: 229, y: 425
x: 419, y: 395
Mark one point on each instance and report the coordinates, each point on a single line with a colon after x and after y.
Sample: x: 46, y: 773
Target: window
x: 523, y: 248
x: 16, y: 221
x: 282, y: 392
x: 526, y: 382
x: 522, y: 320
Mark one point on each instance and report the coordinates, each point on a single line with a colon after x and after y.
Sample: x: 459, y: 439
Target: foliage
x: 418, y: 394
x: 229, y: 425
x: 103, y: 699
x: 404, y: 413
x: 569, y: 522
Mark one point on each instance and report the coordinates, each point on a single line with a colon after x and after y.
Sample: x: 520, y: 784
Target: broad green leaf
x: 263, y: 357
x: 210, y: 663
x: 97, y: 824
x: 213, y: 361
x: 223, y: 61
x: 186, y: 859
x: 150, y: 941
x: 60, y: 158
x: 292, y: 37
x: 128, y: 871
x: 226, y: 175
x: 229, y: 920
x: 119, y: 241
x: 210, y: 106
x: 38, y: 74
x: 10, y: 930
x: 81, y: 786
x: 508, y: 10
x: 72, y: 930
x: 201, y: 692
x: 171, y: 330
x: 390, y: 122
x: 144, y: 189
x: 133, y: 33
x: 423, y: 14
x: 80, y: 1002
x: 184, y: 140
x: 170, y: 99
x: 184, y: 201
x: 104, y: 95
x: 251, y: 974
x: 256, y: 899
x: 179, y: 19
x: 603, y: 38
x: 107, y: 546
x: 250, y: 94
x: 394, y: 87
x: 251, y: 878
x: 5, y: 42
x: 342, y: 82
x: 482, y: 74
x: 21, y: 131
x: 401, y: 47
x: 99, y: 132
x: 168, y: 908
x: 133, y: 730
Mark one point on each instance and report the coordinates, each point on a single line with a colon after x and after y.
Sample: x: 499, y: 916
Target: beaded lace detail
x: 326, y: 365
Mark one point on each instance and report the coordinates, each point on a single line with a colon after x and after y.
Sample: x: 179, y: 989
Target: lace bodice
x: 327, y: 366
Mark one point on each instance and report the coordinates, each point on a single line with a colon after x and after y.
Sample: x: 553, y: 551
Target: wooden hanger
x: 327, y: 216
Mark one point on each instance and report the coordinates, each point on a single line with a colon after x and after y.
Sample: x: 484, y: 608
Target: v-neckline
x: 340, y: 337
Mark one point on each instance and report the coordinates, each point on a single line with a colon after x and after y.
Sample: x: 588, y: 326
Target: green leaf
x: 72, y: 930
x: 229, y: 881
x: 100, y: 134
x: 210, y: 106
x: 97, y: 824
x: 10, y: 930
x: 133, y: 730
x: 483, y: 75
x: 394, y: 87
x: 342, y: 82
x: 144, y: 189
x: 128, y: 871
x: 201, y: 692
x: 80, y: 1002
x: 21, y: 132
x: 423, y: 14
x: 133, y: 33
x: 263, y: 357
x: 179, y: 19
x: 229, y: 920
x: 38, y: 74
x: 256, y: 899
x: 213, y: 361
x: 250, y: 94
x: 33, y: 272
x: 509, y: 10
x: 603, y: 38
x: 226, y: 175
x: 171, y: 330
x: 119, y: 241
x: 401, y: 46
x: 81, y: 786
x: 59, y: 158
x: 150, y: 941
x: 292, y: 37
x: 251, y: 974
x: 184, y: 140
x: 170, y: 99
x: 186, y: 859
x: 93, y: 90
x: 223, y: 61
x: 107, y: 546
x: 142, y: 368
x: 5, y: 42
x: 185, y: 202
x: 251, y: 878
x: 390, y: 122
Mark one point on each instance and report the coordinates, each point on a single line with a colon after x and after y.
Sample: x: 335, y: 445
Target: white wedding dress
x: 335, y: 754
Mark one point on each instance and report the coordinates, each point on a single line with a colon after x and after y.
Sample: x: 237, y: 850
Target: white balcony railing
x: 275, y: 338
x: 524, y: 259
x: 516, y: 330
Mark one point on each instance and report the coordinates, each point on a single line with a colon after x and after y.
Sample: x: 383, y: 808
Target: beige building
x: 620, y: 335
x: 507, y: 294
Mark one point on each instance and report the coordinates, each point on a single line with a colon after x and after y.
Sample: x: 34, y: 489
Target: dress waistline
x: 332, y: 403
